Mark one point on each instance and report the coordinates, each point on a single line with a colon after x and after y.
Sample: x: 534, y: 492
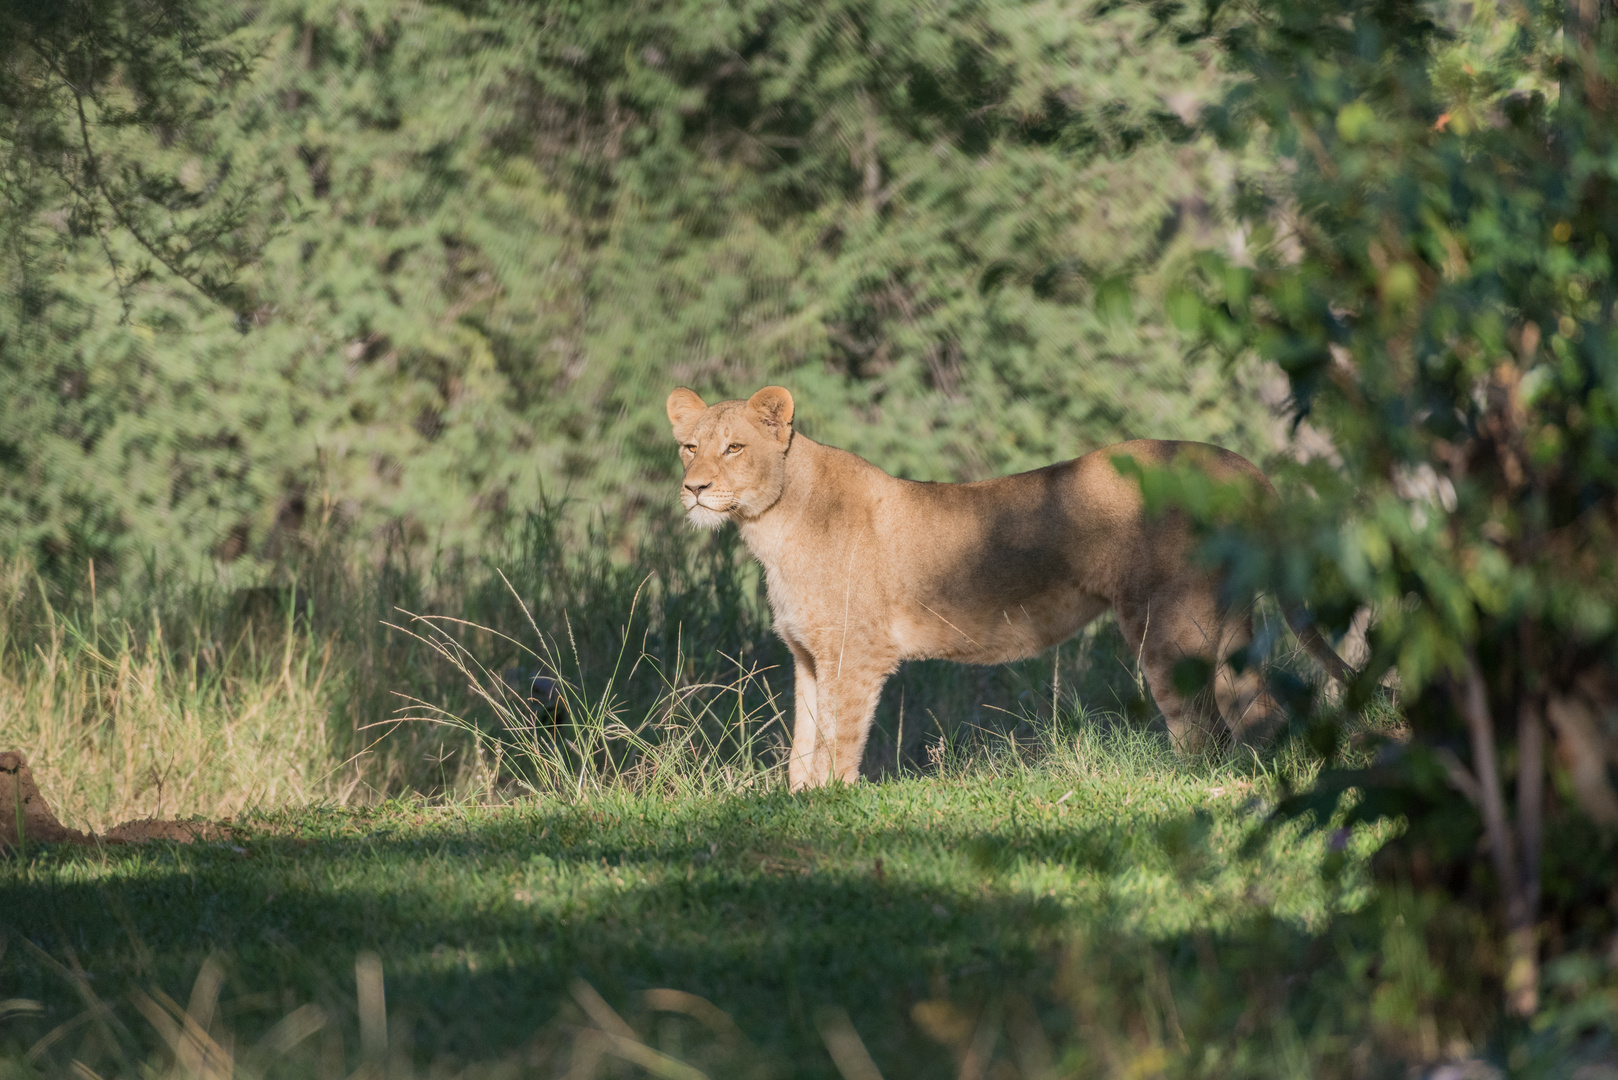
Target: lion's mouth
x: 720, y: 505
x: 708, y: 512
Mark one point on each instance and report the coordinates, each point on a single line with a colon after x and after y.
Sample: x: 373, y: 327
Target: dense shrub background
x: 397, y: 270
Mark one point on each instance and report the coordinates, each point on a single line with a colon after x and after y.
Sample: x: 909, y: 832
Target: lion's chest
x: 804, y: 601
x: 825, y: 595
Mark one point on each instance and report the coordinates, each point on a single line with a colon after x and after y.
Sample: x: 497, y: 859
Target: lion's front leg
x: 834, y: 708
x: 805, y: 732
x: 846, y: 701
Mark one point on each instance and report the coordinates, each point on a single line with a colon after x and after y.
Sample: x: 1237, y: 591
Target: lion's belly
x: 996, y: 632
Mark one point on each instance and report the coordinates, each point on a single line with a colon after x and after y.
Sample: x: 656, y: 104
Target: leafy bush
x: 1432, y: 268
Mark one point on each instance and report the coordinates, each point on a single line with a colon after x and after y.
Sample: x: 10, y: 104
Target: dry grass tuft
x: 124, y: 726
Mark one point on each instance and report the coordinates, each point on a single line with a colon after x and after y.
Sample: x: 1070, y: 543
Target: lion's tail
x: 1313, y: 640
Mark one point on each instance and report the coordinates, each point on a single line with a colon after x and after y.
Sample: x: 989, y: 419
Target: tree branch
x: 1522, y: 971
x: 93, y: 168
x: 1530, y: 796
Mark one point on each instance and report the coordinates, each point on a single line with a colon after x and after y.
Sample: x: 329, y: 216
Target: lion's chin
x: 705, y: 518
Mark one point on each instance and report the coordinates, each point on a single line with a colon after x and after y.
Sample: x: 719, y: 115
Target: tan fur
x: 866, y: 570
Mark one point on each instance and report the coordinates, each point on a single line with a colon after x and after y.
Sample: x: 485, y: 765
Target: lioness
x: 865, y: 570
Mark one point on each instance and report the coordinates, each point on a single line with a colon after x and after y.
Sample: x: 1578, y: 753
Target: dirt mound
x: 184, y: 832
x: 26, y: 817
x: 28, y: 812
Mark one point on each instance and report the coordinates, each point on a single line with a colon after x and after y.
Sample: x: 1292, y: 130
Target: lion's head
x: 734, y: 454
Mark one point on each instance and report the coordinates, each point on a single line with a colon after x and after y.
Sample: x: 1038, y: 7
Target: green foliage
x: 1432, y: 268
x: 516, y: 226
x: 118, y: 174
x: 108, y: 104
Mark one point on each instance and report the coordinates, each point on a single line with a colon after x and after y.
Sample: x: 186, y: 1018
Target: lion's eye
x: 689, y: 448
x: 734, y: 448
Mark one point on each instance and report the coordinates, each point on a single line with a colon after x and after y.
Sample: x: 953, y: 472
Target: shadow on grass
x: 760, y: 904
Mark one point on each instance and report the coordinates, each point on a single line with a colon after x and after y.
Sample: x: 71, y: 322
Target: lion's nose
x: 697, y: 487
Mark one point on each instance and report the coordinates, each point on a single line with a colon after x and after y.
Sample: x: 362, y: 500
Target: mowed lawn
x: 1091, y: 910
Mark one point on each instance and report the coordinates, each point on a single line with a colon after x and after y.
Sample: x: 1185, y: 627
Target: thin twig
x: 93, y: 163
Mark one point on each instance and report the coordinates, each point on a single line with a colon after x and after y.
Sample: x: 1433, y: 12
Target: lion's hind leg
x: 1185, y: 644
x: 1251, y: 712
x: 1158, y: 636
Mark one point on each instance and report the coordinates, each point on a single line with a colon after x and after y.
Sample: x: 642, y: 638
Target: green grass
x: 144, y: 697
x: 1022, y: 890
x: 1085, y: 904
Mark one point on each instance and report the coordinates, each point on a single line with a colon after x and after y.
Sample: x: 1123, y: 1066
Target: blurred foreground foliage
x: 278, y: 271
x: 1432, y: 268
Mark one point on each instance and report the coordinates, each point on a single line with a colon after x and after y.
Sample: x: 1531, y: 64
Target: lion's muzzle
x: 707, y: 508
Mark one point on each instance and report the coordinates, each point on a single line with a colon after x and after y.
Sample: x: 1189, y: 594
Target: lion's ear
x: 773, y: 406
x: 683, y: 408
